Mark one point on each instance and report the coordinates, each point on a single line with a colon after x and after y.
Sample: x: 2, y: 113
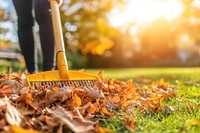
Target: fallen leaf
x: 13, y: 116
x: 193, y: 122
x: 6, y: 90
x: 51, y: 108
x: 100, y: 129
x: 94, y: 93
x: 24, y: 90
x: 3, y: 103
x: 92, y: 109
x: 76, y: 125
x: 26, y: 111
x: 76, y: 101
x: 18, y: 129
x: 190, y: 107
x: 105, y: 112
x: 129, y: 121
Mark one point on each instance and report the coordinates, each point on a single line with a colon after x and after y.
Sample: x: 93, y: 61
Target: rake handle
x: 59, y: 42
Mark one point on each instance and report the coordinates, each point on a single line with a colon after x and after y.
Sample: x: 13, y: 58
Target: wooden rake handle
x: 59, y: 42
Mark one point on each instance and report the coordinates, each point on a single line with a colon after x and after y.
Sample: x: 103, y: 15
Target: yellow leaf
x: 18, y: 129
x: 193, y: 122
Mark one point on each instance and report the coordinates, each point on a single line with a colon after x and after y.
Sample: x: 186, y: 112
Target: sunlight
x: 146, y: 11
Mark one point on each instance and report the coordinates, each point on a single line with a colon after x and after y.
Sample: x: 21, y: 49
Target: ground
x: 128, y: 100
x: 185, y: 106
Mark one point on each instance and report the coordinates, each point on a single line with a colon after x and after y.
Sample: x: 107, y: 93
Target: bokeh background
x: 116, y: 34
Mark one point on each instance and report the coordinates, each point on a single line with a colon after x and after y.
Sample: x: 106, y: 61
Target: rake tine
x: 83, y: 83
x: 75, y: 83
x: 63, y: 84
x: 70, y: 84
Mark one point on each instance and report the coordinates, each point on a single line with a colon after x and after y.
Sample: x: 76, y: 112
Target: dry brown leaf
x: 13, y: 116
x: 190, y: 107
x: 3, y: 103
x: 26, y: 111
x: 91, y: 92
x: 24, y: 90
x: 76, y: 125
x: 106, y: 98
x: 15, y: 85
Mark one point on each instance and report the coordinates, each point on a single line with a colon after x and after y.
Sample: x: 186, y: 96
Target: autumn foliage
x: 53, y: 109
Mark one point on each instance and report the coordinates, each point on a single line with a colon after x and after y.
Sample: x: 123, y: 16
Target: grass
x: 185, y: 117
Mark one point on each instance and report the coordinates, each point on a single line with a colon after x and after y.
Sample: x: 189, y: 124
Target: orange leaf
x: 105, y: 112
x: 132, y: 125
x: 28, y: 99
x: 115, y: 99
x: 76, y: 100
x: 6, y: 90
x: 92, y: 109
x: 129, y: 121
x: 100, y: 129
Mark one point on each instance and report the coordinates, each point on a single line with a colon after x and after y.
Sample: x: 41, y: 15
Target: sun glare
x: 146, y: 11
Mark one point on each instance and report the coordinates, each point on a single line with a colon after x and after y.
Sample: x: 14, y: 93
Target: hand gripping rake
x: 62, y: 76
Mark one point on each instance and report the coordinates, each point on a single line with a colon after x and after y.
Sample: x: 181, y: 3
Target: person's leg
x: 25, y: 33
x: 43, y: 17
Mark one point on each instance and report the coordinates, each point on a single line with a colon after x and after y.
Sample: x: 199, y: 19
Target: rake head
x: 52, y: 78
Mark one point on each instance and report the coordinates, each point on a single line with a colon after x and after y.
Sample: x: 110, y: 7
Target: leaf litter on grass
x: 52, y: 109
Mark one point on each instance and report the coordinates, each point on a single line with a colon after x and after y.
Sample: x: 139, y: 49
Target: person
x: 25, y: 21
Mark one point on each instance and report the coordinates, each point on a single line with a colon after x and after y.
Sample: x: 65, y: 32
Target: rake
x: 62, y: 76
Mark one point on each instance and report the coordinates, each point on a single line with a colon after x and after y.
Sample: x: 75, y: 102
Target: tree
x: 86, y: 26
x: 187, y: 32
x: 7, y: 37
x: 157, y: 42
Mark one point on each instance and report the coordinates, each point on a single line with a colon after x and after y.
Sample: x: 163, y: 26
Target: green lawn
x: 185, y: 115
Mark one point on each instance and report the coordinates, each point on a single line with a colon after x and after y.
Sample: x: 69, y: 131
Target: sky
x: 145, y: 11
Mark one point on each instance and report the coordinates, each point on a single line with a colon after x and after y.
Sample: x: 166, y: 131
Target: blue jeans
x: 25, y: 32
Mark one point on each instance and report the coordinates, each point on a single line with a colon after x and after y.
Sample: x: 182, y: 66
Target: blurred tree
x: 157, y: 43
x: 171, y: 43
x: 3, y: 30
x: 8, y: 38
x: 86, y: 26
x: 6, y: 26
x: 188, y: 31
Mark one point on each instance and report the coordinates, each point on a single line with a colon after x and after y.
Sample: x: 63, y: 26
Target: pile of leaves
x: 54, y: 109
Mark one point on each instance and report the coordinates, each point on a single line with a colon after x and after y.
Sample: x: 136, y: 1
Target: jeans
x: 25, y: 32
